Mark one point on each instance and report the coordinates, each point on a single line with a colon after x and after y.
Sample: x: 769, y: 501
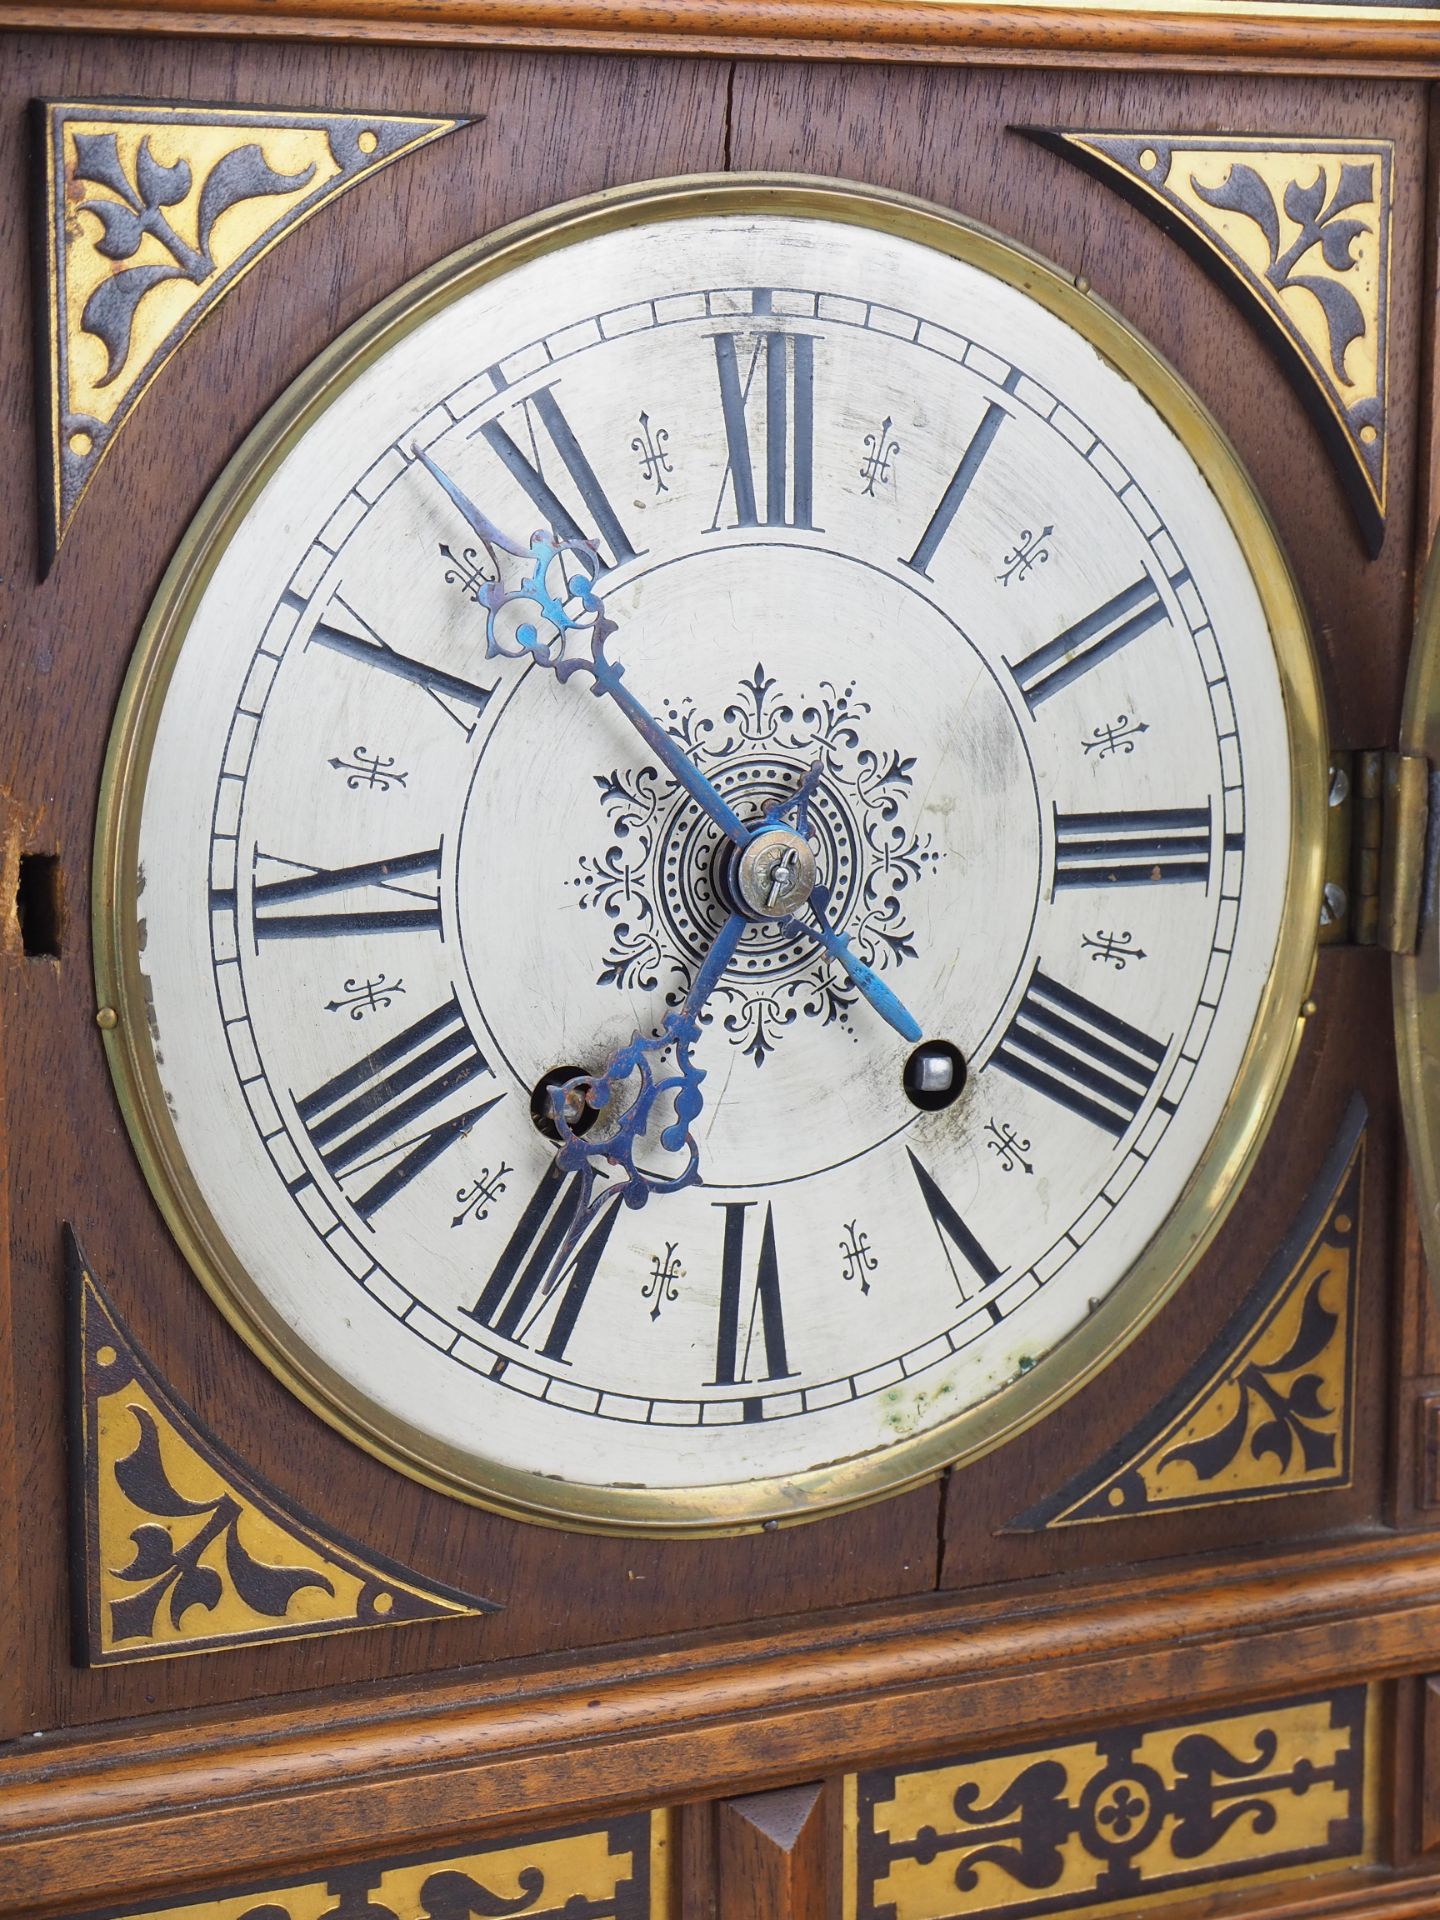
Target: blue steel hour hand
x: 583, y: 1153
x: 888, y: 1005
x: 553, y: 601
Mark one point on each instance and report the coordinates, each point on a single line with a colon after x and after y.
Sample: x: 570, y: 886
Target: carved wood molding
x: 1307, y: 34
x: 139, y: 1811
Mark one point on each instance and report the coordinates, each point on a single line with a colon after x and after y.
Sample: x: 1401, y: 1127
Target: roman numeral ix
x: 1077, y: 1054
x: 374, y: 1114
x: 401, y: 894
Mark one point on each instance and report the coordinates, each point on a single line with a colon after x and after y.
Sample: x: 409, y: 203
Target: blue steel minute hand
x: 552, y: 589
x: 563, y: 602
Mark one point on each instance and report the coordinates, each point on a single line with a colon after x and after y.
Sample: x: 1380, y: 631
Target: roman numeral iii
x: 769, y: 374
x: 1078, y: 1055
x: 1131, y: 849
x: 376, y: 1125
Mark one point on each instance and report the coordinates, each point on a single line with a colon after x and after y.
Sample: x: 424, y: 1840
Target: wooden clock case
x: 629, y: 1675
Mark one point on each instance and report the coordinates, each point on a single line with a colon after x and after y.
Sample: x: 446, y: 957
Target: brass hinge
x: 1375, y: 849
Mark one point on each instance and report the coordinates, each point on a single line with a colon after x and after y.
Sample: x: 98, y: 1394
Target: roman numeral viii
x: 776, y: 382
x: 377, y: 1125
x: 529, y: 471
x: 1083, y: 646
x: 1132, y: 849
x: 1076, y: 1053
x: 748, y: 1312
x: 525, y: 1288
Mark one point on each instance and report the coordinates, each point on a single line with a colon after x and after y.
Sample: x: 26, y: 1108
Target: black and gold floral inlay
x: 607, y: 1870
x: 1137, y: 1813
x: 1269, y: 1410
x: 148, y: 212
x: 178, y: 1548
x: 1296, y: 230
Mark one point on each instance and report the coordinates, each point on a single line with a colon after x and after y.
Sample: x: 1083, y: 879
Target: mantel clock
x: 705, y: 819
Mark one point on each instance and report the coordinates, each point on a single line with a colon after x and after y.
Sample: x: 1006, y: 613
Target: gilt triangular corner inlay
x: 177, y: 1548
x: 1296, y: 230
x: 147, y: 213
x: 1269, y: 1409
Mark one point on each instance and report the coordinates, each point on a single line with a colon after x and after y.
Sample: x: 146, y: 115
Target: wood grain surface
x: 622, y: 1673
x: 771, y: 1855
x: 104, y: 1815
x: 1198, y: 33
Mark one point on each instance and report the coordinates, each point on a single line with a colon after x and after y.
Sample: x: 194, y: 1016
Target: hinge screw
x: 1333, y: 904
x: 107, y: 1019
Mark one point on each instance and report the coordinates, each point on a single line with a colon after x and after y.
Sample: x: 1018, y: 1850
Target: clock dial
x: 925, y: 667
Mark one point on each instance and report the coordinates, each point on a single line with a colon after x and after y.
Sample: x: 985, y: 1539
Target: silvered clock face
x: 867, y: 506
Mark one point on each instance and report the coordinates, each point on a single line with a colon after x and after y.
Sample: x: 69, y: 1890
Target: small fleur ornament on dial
x: 702, y: 1013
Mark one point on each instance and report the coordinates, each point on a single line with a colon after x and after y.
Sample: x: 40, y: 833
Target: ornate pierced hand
x: 537, y: 618
x: 584, y: 1153
x: 566, y: 604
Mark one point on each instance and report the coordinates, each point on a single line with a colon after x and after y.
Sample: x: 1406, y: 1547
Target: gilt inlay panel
x: 1296, y: 230
x: 1269, y: 1410
x: 613, y: 1870
x: 148, y: 213
x: 179, y: 1549
x: 1118, y: 1818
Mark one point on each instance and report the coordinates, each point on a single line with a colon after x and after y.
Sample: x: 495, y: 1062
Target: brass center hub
x: 775, y: 874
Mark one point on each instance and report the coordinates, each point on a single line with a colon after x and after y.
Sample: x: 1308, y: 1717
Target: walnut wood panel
x: 551, y: 128
x: 1427, y: 1795
x: 771, y: 1855
x: 946, y: 136
x: 91, y: 1817
x: 1270, y: 33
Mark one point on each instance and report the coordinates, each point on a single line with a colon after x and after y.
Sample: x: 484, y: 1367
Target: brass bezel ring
x: 1233, y: 1144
